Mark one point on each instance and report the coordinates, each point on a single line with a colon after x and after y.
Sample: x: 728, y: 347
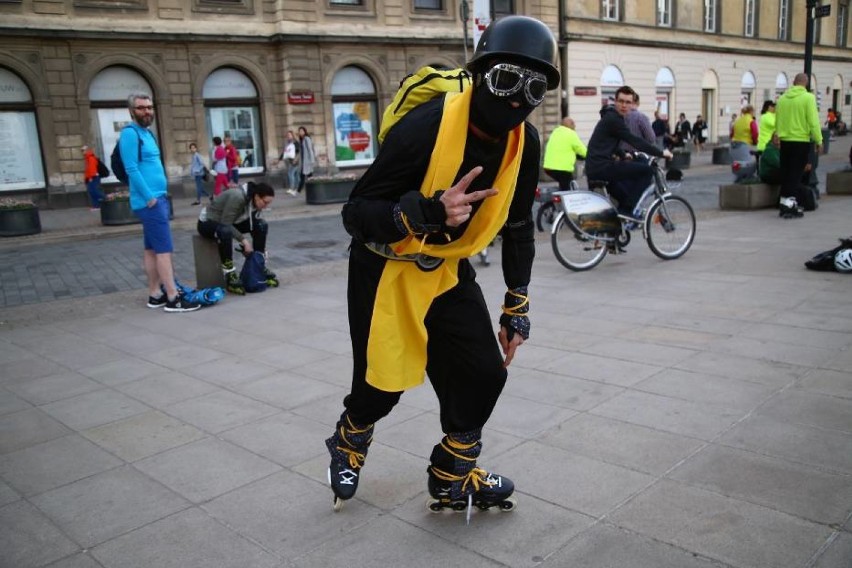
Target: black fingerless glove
x: 516, y: 305
x: 415, y: 214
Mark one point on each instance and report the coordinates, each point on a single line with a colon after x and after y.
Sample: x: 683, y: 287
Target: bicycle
x: 588, y: 227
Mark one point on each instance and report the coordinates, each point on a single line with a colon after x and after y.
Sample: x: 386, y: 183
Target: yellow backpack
x: 423, y: 85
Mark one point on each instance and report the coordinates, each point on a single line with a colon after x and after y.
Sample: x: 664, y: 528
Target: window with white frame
x: 664, y: 13
x: 356, y: 117
x: 609, y: 10
x: 783, y: 19
x: 842, y: 24
x: 710, y: 14
x: 20, y: 163
x: 232, y: 109
x: 748, y: 28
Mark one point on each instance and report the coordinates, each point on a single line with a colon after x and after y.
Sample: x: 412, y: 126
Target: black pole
x: 464, y: 10
x: 809, y: 39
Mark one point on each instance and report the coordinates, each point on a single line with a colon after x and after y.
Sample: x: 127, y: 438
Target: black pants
x: 224, y: 235
x: 564, y: 178
x: 464, y: 362
x: 794, y: 158
x: 628, y: 179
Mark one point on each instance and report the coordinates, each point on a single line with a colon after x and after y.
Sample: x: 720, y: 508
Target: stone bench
x: 745, y: 196
x: 839, y: 183
x: 208, y: 268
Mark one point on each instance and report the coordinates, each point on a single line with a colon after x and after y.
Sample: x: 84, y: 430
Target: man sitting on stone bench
x: 234, y: 215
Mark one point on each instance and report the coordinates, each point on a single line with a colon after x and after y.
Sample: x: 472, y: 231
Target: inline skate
x: 348, y: 448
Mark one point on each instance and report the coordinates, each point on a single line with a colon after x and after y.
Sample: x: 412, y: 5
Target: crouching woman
x: 235, y: 216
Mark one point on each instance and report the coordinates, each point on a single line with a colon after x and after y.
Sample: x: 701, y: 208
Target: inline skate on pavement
x: 348, y: 448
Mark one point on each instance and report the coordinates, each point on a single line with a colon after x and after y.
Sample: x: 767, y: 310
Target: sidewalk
x: 687, y: 414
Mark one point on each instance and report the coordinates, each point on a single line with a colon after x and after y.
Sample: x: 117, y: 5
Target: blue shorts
x: 156, y: 232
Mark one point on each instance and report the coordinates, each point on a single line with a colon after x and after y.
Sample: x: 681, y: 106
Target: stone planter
x: 680, y: 160
x: 746, y: 196
x: 117, y: 212
x: 19, y: 222
x: 839, y: 183
x: 722, y: 155
x: 331, y: 191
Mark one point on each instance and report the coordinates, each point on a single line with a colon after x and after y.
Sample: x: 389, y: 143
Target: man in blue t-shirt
x: 147, y: 178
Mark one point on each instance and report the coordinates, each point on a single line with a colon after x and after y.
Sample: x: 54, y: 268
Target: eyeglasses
x: 624, y: 101
x: 505, y: 79
x: 144, y: 107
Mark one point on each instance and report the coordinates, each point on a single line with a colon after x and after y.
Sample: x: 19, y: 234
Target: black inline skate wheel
x: 509, y: 504
x: 434, y: 506
x: 459, y: 506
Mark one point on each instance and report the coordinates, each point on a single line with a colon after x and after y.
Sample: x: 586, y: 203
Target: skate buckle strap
x: 356, y: 458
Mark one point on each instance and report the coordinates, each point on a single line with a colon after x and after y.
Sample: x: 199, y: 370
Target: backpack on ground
x: 117, y: 164
x: 824, y: 261
x: 423, y: 85
x: 253, y: 275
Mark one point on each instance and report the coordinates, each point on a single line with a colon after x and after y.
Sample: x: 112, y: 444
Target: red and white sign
x: 300, y: 97
x: 359, y: 141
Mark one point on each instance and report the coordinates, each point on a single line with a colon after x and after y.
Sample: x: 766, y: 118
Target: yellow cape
x: 396, y: 349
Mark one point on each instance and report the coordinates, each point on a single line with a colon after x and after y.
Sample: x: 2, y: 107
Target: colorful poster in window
x: 354, y: 133
x: 20, y: 161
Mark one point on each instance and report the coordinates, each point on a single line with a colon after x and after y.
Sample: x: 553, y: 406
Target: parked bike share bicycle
x: 588, y: 226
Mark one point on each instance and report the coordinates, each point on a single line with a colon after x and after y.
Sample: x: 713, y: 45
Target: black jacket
x: 603, y: 145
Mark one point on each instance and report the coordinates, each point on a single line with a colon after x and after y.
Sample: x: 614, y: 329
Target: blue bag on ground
x: 253, y: 274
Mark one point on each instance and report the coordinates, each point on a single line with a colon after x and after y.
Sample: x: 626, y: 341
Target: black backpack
x: 824, y: 261
x: 116, y: 162
x: 103, y: 171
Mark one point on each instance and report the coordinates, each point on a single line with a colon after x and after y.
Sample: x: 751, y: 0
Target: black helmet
x: 522, y: 38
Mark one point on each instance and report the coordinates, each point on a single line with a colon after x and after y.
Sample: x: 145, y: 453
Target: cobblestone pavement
x: 76, y: 257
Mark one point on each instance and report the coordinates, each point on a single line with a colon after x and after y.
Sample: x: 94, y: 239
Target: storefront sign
x: 585, y: 91
x: 300, y: 97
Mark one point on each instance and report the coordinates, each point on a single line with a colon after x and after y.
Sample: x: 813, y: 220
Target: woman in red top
x: 93, y: 180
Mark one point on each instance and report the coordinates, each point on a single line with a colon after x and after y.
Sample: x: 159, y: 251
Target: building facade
x: 707, y: 57
x: 257, y: 68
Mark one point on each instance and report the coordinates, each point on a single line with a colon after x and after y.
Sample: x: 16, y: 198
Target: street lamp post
x: 465, y: 16
x: 809, y: 39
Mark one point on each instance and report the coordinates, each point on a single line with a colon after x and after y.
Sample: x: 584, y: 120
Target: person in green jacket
x: 561, y: 153
x: 766, y: 127
x: 234, y: 215
x: 797, y: 125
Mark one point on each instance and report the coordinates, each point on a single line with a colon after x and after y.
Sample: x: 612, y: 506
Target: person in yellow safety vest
x: 744, y: 129
x: 561, y: 153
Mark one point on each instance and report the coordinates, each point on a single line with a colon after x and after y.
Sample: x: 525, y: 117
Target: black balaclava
x: 495, y: 115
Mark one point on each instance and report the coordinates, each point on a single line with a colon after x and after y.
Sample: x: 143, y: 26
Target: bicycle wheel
x: 546, y: 215
x: 574, y: 250
x: 670, y: 227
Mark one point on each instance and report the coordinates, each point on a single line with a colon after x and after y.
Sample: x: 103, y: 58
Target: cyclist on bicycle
x: 605, y: 161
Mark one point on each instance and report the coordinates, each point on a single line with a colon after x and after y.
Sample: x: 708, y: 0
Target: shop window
x: 664, y: 84
x: 21, y: 166
x: 502, y: 8
x: 232, y: 108
x: 108, y: 94
x: 611, y: 80
x: 747, y: 87
x: 780, y: 84
x: 355, y: 109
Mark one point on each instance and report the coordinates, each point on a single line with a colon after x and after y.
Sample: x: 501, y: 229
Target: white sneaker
x: 291, y: 192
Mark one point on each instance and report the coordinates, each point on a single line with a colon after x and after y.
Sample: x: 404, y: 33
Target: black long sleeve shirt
x: 603, y: 145
x: 401, y: 165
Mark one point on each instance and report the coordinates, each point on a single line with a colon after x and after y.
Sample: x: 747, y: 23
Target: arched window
x: 355, y: 109
x: 780, y: 83
x: 108, y: 94
x: 663, y: 85
x: 747, y: 85
x: 20, y: 162
x: 232, y: 108
x: 611, y: 80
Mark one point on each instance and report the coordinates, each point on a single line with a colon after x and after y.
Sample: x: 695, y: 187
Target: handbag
x: 206, y: 174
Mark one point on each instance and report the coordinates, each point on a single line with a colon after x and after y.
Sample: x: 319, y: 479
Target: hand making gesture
x: 457, y: 203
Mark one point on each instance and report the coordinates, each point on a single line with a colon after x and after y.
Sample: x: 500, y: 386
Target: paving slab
x: 189, y: 539
x: 103, y: 506
x: 206, y: 469
x: 143, y: 435
x: 719, y: 527
x: 28, y: 428
x: 620, y: 443
x: 606, y: 546
x: 39, y: 468
x: 28, y: 539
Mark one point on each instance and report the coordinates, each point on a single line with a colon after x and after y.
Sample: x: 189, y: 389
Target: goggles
x: 505, y: 79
